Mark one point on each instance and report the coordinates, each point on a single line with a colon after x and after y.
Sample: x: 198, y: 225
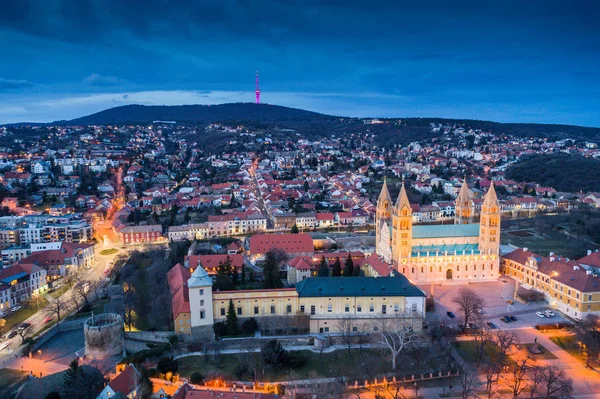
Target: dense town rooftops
x: 396, y: 285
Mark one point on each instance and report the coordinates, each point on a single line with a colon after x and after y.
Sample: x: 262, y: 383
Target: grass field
x: 466, y: 349
x: 13, y: 319
x: 109, y: 251
x: 318, y: 366
x: 568, y: 343
x: 9, y: 377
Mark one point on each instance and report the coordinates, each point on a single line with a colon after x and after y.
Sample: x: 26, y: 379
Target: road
x: 94, y: 274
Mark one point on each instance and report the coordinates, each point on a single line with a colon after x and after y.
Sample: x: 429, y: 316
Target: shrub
x: 196, y: 378
x: 280, y: 389
x: 173, y: 340
x: 195, y: 346
x: 273, y: 353
x: 249, y: 326
x: 141, y: 356
x: 241, y: 369
x: 220, y: 329
x: 531, y: 295
x: 295, y: 360
x: 166, y: 364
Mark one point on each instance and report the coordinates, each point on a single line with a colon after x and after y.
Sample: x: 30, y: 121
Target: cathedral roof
x: 446, y: 230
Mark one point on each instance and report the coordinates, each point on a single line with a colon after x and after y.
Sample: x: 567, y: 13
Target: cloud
x: 10, y: 84
x: 104, y: 80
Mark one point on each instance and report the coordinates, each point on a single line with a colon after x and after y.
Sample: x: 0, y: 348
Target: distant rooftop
x: 398, y: 285
x: 446, y: 230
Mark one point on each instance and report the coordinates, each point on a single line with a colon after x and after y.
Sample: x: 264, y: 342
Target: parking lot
x: 495, y: 295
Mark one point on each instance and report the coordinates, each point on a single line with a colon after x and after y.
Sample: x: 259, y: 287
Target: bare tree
x: 556, y: 383
x: 470, y: 304
x: 481, y: 340
x: 23, y: 332
x: 57, y: 307
x: 468, y: 382
x: 516, y: 378
x: 503, y: 342
x: 536, y: 378
x: 2, y: 326
x: 129, y: 311
x: 396, y: 334
x: 588, y: 333
x: 82, y: 290
x: 346, y: 329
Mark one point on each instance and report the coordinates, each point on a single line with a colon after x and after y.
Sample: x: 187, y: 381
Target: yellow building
x: 465, y: 251
x: 570, y: 286
x: 317, y: 303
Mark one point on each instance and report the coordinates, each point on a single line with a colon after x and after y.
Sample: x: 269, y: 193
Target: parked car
x: 23, y: 326
x: 480, y: 311
x: 512, y: 318
x: 472, y: 325
x: 504, y: 320
x: 540, y: 314
x: 549, y: 313
x: 15, y: 308
x: 491, y: 325
x: 12, y: 334
x: 450, y: 314
x: 48, y: 319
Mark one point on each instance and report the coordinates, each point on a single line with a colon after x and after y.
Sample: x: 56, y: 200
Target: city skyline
x: 507, y: 62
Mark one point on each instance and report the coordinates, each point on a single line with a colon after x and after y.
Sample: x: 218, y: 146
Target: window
x: 272, y: 309
x: 396, y: 308
x: 371, y: 308
x: 289, y: 309
x: 202, y: 302
x: 326, y: 329
x: 201, y: 291
x: 329, y: 308
x: 256, y: 310
x: 312, y: 309
x: 222, y: 311
x: 180, y: 321
x: 414, y: 307
x: 302, y: 308
x: 239, y: 311
x: 188, y: 321
x: 358, y: 308
x: 589, y: 297
x: 354, y: 328
x: 347, y: 308
x: 202, y: 314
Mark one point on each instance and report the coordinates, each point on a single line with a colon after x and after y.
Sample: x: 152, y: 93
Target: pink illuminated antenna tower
x: 257, y: 90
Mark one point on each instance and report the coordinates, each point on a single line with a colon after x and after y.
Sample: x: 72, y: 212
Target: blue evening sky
x: 521, y: 61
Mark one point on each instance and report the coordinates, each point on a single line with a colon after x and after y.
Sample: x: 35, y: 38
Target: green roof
x: 440, y: 250
x: 445, y: 230
x: 396, y: 285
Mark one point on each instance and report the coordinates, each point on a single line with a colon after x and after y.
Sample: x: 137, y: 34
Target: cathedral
x: 464, y: 251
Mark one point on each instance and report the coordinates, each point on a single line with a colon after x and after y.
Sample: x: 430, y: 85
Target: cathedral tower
x: 489, y: 225
x: 464, y: 208
x: 383, y: 215
x: 402, y: 227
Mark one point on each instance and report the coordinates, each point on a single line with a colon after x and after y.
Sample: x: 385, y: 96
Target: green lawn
x: 13, y: 319
x: 466, y: 349
x: 318, y: 366
x: 9, y: 377
x: 55, y: 294
x: 568, y: 343
x: 109, y: 251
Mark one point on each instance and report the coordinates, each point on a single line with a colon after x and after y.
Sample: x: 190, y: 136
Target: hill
x: 264, y: 113
x: 561, y: 171
x: 313, y: 125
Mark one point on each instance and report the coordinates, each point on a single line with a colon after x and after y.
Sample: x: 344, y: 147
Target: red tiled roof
x: 210, y: 262
x: 126, y: 381
x: 325, y: 216
x: 290, y: 243
x: 592, y: 259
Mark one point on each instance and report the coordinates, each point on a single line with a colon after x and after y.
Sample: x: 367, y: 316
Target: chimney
x: 589, y: 252
x: 525, y: 248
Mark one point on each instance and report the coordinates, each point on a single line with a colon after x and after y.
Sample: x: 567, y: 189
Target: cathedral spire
x: 465, y: 194
x: 491, y: 198
x: 384, y: 195
x: 402, y: 200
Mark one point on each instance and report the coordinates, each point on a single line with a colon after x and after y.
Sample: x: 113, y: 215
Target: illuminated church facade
x: 463, y: 252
